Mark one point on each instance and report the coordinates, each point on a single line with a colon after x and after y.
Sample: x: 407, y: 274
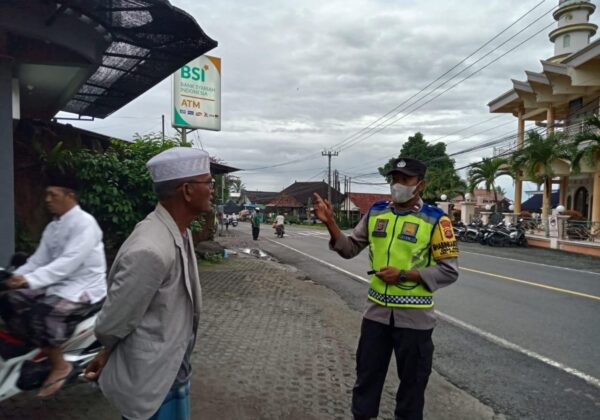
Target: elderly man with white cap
x: 149, y: 321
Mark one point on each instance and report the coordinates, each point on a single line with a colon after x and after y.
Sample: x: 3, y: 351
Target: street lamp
x: 488, y: 207
x: 560, y: 209
x: 468, y: 196
x: 511, y: 207
x: 444, y: 197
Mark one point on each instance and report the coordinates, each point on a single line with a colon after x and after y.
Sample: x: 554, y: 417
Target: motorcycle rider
x: 60, y: 284
x: 279, y: 221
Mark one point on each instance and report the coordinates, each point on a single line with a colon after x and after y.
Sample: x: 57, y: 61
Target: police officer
x: 413, y: 253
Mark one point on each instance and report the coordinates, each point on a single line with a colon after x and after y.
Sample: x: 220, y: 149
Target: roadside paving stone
x: 272, y: 344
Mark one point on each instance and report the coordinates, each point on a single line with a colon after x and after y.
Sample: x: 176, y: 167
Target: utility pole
x: 163, y: 128
x: 347, y: 190
x: 329, y: 154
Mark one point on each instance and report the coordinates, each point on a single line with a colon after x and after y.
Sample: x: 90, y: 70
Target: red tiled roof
x: 285, y: 201
x: 364, y: 200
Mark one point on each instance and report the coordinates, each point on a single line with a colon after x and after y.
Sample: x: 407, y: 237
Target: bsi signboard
x: 197, y: 95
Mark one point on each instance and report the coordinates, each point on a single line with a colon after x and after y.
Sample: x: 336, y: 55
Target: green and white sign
x: 197, y: 94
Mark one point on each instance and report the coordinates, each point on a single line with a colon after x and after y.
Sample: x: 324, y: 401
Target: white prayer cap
x: 178, y: 163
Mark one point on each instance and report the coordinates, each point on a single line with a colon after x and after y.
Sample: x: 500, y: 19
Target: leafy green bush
x: 116, y: 186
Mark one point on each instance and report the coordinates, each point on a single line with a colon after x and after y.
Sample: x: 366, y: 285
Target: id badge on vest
x: 380, y: 228
x: 409, y: 232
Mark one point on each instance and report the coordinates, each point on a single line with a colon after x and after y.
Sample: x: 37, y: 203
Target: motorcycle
x: 473, y: 232
x: 502, y: 235
x: 459, y: 230
x: 279, y: 231
x: 24, y: 367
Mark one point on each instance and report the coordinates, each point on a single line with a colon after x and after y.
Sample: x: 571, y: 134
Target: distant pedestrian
x: 220, y: 219
x: 149, y: 321
x: 413, y: 252
x: 279, y: 225
x: 255, y: 224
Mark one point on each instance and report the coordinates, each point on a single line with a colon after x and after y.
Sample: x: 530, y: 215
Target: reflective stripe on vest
x: 400, y: 241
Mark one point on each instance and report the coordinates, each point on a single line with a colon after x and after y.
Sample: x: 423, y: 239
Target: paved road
x: 522, y: 336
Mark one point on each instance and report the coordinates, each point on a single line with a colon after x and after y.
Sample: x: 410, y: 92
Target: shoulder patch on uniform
x: 432, y: 211
x: 380, y: 205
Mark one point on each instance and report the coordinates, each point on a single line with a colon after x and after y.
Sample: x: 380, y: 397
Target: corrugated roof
x: 303, y: 191
x: 149, y: 40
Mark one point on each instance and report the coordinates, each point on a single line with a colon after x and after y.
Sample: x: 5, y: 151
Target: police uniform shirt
x: 434, y: 277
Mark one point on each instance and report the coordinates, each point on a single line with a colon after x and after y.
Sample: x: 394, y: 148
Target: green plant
x: 586, y: 146
x: 441, y: 177
x: 23, y: 242
x: 486, y: 172
x: 535, y: 160
x: 116, y: 186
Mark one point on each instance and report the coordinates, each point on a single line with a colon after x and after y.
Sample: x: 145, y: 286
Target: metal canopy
x: 101, y: 54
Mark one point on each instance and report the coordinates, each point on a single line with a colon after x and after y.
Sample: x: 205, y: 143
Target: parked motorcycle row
x: 498, y: 234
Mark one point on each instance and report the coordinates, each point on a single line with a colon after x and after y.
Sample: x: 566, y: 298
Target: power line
x: 466, y: 128
x: 380, y: 127
x: 426, y: 87
x: 440, y: 77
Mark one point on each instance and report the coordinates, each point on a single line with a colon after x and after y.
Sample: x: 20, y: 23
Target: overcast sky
x: 298, y: 77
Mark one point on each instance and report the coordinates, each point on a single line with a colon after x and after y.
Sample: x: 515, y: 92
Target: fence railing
x: 582, y: 230
x: 533, y: 226
x: 573, y: 230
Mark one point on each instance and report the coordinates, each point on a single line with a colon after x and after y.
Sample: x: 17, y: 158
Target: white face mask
x: 402, y: 193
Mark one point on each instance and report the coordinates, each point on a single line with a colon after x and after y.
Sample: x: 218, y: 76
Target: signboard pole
x: 184, y: 132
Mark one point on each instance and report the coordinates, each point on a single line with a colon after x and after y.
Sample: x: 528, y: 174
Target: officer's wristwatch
x: 402, y: 277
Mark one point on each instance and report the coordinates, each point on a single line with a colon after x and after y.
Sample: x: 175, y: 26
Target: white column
x: 467, y: 210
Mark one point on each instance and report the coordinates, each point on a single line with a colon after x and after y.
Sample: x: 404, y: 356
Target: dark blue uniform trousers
x: 414, y: 353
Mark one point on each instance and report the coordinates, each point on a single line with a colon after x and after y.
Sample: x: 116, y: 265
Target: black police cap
x: 408, y: 166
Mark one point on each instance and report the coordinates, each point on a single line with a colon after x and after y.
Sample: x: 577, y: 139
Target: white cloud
x: 298, y: 77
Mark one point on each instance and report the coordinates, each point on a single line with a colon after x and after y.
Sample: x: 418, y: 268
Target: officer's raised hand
x: 324, y: 213
x: 323, y: 209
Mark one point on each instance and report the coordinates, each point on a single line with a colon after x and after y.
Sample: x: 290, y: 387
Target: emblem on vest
x: 446, y: 228
x: 409, y: 232
x: 380, y: 228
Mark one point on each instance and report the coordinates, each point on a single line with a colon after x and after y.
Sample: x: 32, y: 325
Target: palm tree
x: 487, y: 171
x: 586, y: 146
x: 235, y: 184
x: 443, y: 181
x: 535, y: 160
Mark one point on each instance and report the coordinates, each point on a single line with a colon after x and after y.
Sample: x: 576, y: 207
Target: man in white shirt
x: 279, y: 220
x: 61, y: 283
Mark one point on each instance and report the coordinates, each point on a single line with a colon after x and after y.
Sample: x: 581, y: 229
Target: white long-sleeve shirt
x: 70, y: 261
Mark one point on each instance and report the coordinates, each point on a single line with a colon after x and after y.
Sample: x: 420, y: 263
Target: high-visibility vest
x: 402, y: 241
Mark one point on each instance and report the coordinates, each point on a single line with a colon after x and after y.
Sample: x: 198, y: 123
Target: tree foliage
x: 535, y: 160
x: 486, y: 172
x: 441, y: 176
x: 116, y: 185
x: 536, y: 157
x: 586, y: 147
